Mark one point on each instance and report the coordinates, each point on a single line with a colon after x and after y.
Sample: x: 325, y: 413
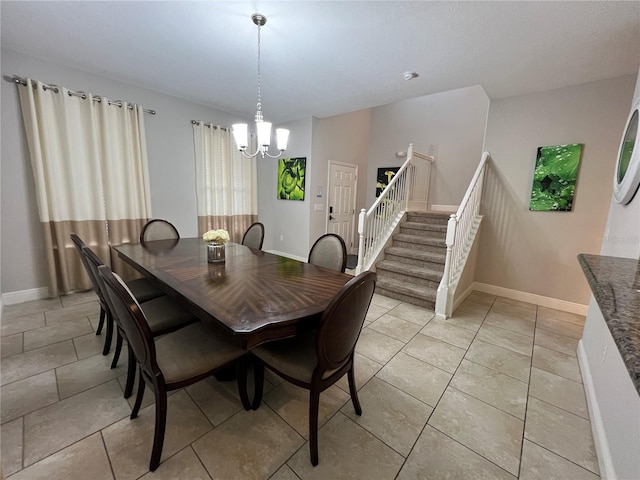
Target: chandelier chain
x: 259, y: 73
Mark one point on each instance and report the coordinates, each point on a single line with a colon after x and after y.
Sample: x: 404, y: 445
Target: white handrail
x: 460, y: 231
x: 409, y: 188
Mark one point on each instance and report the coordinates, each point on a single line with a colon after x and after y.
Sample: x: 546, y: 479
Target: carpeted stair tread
x: 424, y: 226
x: 410, y: 270
x: 420, y: 292
x: 417, y: 254
x: 405, y: 237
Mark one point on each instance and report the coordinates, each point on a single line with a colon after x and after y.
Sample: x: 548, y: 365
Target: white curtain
x: 89, y: 163
x: 226, y: 182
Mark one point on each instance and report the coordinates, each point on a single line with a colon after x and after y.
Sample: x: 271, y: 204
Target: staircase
x: 414, y: 264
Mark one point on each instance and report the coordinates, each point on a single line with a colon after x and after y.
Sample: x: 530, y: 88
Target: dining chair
x: 317, y: 360
x: 163, y: 314
x: 329, y: 251
x: 171, y: 362
x: 158, y: 229
x: 142, y: 288
x: 254, y: 236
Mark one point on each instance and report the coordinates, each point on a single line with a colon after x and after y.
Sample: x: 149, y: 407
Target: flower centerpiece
x: 215, y: 244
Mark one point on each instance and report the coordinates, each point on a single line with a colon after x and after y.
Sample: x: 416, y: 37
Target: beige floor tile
x: 91, y: 344
x: 87, y: 373
x: 469, y: 306
x: 385, y: 302
x: 184, y: 464
x: 558, y: 326
x: 11, y: 345
x: 403, y: 372
x: 560, y: 315
x: 346, y: 450
x: 376, y: 346
x: 59, y: 425
x: 84, y: 460
x: 267, y: 442
x: 78, y: 298
x: 13, y: 325
x: 481, y: 297
x: 11, y: 446
x: 494, y: 388
x: 515, y: 308
x: 539, y: 463
x: 412, y: 313
x: 559, y: 343
x: 447, y: 332
x: 27, y: 395
x: 292, y: 404
x: 41, y: 337
x: 436, y: 352
x: 129, y: 441
x: 506, y: 339
x: 24, y: 365
x: 500, y: 359
x: 563, y: 433
x: 216, y: 401
x: 393, y: 416
x: 364, y: 368
x: 554, y: 362
x: 439, y: 457
x: 558, y: 391
x: 82, y: 310
x: 375, y: 312
x: 29, y: 308
x: 95, y: 321
x: 465, y: 320
x: 395, y: 327
x: 285, y: 473
x: 490, y: 432
x: 508, y: 322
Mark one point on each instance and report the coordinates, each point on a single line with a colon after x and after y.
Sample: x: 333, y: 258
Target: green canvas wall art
x: 554, y: 179
x: 291, y: 176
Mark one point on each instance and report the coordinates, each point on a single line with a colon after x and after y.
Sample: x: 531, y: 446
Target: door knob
x: 331, y: 217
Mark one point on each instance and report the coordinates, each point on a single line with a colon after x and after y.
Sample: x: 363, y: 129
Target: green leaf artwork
x: 554, y: 179
x: 291, y: 175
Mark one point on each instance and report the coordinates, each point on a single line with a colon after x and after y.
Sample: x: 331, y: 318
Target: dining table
x: 253, y: 296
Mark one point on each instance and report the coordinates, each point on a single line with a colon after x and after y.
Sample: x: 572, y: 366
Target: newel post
x: 444, y: 302
x: 361, y: 251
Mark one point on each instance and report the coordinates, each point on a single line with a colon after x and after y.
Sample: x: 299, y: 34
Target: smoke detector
x: 409, y: 75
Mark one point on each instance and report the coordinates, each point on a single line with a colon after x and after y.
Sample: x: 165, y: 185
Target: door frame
x: 355, y: 201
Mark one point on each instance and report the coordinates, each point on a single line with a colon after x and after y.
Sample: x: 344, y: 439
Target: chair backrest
x: 131, y: 319
x: 342, y: 321
x: 254, y: 236
x: 329, y: 251
x: 158, y: 229
x: 79, y: 244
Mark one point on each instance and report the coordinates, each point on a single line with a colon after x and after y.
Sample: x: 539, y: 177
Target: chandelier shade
x: 263, y: 129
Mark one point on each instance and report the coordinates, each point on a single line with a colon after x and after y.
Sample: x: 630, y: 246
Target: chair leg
x: 353, y: 391
x: 242, y: 364
x: 109, y: 337
x: 101, y: 322
x: 258, y: 383
x: 161, y: 423
x: 131, y: 373
x: 116, y: 354
x: 314, y: 405
x: 139, y: 396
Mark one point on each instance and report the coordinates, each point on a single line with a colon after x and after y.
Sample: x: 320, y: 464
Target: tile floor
x: 494, y: 392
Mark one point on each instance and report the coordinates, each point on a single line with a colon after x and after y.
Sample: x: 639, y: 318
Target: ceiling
x: 327, y: 58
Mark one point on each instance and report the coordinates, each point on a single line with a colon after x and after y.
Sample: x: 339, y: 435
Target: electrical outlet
x: 281, y: 238
x: 604, y: 352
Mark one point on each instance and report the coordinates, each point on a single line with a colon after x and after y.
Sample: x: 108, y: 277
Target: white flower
x: 220, y: 236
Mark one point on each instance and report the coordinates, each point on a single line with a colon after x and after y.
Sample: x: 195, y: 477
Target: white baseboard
x: 11, y: 298
x: 541, y: 300
x: 605, y: 462
x: 444, y: 208
x: 288, y: 255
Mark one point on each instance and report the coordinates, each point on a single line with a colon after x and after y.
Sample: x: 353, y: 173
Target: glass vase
x: 215, y: 252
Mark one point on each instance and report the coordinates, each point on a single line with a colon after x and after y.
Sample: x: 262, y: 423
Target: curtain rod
x: 23, y: 81
x: 210, y: 125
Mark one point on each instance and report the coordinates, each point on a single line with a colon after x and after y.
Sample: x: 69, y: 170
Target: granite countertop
x: 615, y: 283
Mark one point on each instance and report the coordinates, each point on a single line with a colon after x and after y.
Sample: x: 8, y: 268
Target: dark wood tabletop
x: 253, y: 296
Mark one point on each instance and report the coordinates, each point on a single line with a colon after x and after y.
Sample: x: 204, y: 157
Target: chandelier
x: 240, y: 130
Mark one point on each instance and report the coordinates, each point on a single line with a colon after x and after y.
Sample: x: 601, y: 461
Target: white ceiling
x: 331, y: 57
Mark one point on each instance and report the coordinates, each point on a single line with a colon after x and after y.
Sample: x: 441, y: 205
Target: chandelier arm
x: 267, y: 154
x: 247, y: 155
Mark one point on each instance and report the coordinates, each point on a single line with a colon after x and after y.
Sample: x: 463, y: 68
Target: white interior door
x: 341, y: 211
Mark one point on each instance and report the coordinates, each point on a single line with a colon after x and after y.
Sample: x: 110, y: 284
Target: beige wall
x: 535, y: 252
